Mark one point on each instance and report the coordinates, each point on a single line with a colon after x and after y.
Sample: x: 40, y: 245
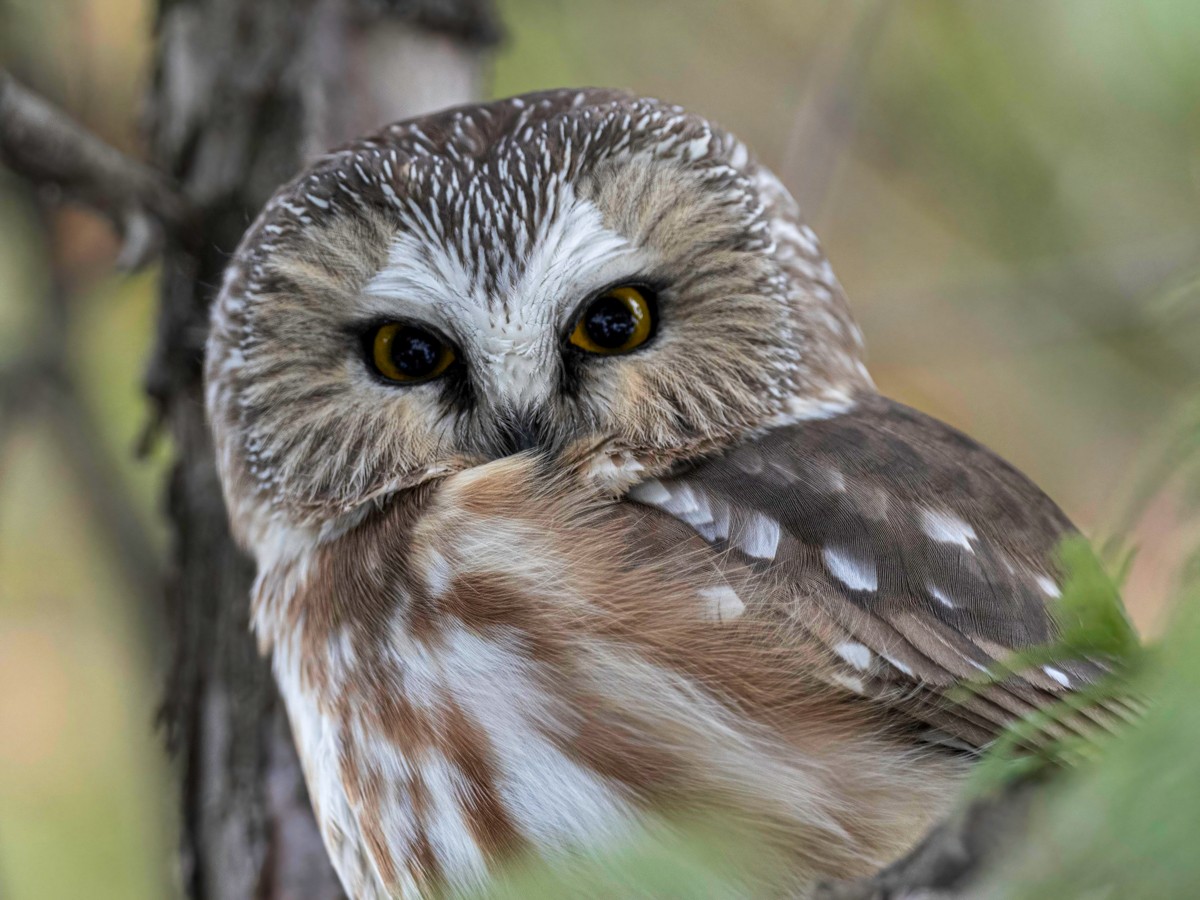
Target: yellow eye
x: 619, y: 320
x: 408, y: 353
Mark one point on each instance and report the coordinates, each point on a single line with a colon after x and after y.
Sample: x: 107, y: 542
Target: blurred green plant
x: 1126, y: 825
x: 677, y: 860
x: 1092, y: 625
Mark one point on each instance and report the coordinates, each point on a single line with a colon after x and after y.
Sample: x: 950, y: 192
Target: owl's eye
x: 407, y: 353
x: 619, y: 320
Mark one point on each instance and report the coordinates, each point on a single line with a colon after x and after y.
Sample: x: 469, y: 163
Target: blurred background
x: 1010, y: 193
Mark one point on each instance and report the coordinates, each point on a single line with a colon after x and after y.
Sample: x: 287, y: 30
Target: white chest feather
x: 400, y: 812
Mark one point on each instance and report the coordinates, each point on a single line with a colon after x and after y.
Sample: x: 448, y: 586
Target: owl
x: 576, y: 511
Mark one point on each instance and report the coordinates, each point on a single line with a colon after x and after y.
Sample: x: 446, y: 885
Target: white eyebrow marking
x: 854, y: 653
x: 947, y: 528
x: 759, y: 537
x: 856, y: 574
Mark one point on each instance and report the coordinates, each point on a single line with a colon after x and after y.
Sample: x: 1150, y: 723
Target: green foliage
x: 1126, y: 826
x: 1090, y: 615
x: 683, y: 861
x: 1092, y: 624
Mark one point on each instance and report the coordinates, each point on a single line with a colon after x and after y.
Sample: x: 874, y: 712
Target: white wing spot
x: 724, y: 602
x: 939, y: 596
x: 759, y: 537
x: 854, y: 653
x: 1058, y: 675
x: 651, y: 492
x: 749, y: 461
x: 720, y: 523
x: 808, y: 409
x: 856, y: 574
x: 907, y: 670
x: 1049, y: 588
x: 849, y: 682
x: 837, y: 481
x: 946, y: 528
x: 683, y: 503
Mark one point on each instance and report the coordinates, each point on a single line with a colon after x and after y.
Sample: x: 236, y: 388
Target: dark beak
x: 519, y: 432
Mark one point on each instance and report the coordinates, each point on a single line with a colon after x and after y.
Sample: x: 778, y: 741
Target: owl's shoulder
x: 917, y: 556
x: 919, y: 459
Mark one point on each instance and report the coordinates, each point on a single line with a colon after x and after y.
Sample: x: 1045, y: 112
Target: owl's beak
x: 517, y: 433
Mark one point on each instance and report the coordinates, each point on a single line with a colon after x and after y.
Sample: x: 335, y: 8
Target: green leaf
x: 1090, y: 615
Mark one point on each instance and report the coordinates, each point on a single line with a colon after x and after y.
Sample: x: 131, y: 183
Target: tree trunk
x: 243, y: 94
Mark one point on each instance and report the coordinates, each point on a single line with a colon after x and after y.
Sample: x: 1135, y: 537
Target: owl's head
x: 571, y: 269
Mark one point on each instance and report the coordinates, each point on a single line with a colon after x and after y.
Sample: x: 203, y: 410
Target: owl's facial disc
x: 575, y: 269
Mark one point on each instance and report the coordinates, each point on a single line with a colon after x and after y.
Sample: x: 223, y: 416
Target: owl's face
x: 580, y: 270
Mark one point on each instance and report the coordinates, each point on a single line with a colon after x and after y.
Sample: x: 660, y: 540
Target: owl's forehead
x: 570, y: 249
x: 493, y: 197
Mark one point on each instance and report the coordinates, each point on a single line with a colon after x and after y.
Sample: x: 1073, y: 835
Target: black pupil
x: 610, y: 323
x: 415, y: 352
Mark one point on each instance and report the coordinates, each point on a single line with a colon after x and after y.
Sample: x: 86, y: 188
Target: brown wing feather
x: 916, y: 556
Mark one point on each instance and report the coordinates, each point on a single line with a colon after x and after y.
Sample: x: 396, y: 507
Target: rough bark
x: 243, y: 93
x: 48, y: 147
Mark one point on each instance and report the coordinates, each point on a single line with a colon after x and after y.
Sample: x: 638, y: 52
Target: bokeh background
x: 1010, y: 193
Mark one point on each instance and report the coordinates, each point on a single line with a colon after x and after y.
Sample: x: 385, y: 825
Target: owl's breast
x: 503, y: 667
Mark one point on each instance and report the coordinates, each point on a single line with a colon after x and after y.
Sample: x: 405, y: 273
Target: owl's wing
x: 914, y: 555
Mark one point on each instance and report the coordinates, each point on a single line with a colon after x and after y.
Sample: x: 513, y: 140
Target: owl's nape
x: 732, y: 580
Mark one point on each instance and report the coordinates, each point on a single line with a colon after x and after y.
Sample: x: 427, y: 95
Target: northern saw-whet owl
x: 573, y: 503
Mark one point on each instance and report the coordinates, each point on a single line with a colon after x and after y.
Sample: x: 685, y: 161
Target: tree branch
x: 949, y: 862
x: 44, y: 144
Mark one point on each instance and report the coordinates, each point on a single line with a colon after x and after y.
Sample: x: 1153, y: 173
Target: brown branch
x: 950, y: 862
x: 45, y: 145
